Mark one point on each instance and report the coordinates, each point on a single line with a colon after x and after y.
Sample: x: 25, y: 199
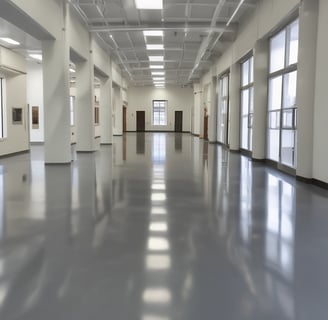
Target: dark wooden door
x: 140, y: 121
x: 206, y: 127
x: 178, y: 121
x: 124, y: 119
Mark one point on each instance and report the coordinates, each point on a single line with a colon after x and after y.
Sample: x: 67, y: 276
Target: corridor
x: 160, y: 226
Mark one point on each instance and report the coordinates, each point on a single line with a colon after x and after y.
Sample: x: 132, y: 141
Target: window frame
x: 160, y: 112
x: 283, y: 72
x: 249, y: 87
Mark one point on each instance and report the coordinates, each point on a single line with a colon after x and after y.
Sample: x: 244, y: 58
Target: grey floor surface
x: 160, y: 226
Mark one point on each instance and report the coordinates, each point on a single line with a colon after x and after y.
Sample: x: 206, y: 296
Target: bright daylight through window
x: 2, y: 106
x: 282, y: 111
x: 159, y: 112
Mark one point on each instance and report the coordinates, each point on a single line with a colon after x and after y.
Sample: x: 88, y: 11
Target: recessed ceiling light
x: 71, y: 70
x: 36, y: 56
x: 160, y: 73
x: 153, y: 33
x: 156, y: 58
x: 149, y: 4
x: 155, y: 47
x: 10, y: 41
x: 154, y: 66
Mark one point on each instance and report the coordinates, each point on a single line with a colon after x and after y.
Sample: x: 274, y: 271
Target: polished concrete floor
x: 160, y: 227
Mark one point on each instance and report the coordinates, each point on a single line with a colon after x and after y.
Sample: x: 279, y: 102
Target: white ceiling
x: 195, y: 33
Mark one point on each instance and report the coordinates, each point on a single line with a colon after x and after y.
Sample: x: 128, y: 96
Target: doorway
x: 124, y: 118
x: 178, y: 121
x: 140, y: 121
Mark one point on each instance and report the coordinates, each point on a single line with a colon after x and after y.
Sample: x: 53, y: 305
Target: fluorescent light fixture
x: 235, y: 12
x: 156, y: 58
x: 155, y: 66
x: 155, y: 47
x: 149, y: 4
x: 153, y: 33
x: 36, y: 56
x: 10, y: 41
x: 159, y: 78
x: 71, y: 70
x: 160, y: 73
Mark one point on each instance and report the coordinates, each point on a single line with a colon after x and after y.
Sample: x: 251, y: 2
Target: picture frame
x: 17, y: 115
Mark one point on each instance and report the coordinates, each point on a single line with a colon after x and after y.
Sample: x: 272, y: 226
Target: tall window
x: 223, y: 110
x: 247, y: 103
x: 2, y: 106
x: 282, y: 109
x: 72, y: 110
x: 159, y: 112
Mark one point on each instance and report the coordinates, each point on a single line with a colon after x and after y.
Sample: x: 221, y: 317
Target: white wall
x: 179, y: 99
x: 16, y: 138
x: 117, y: 111
x: 196, y: 109
x: 320, y: 149
x: 35, y: 98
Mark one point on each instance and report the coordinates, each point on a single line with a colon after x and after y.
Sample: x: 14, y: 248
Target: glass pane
x: 245, y: 73
x: 287, y: 147
x: 275, y: 92
x: 293, y: 43
x: 274, y: 120
x: 290, y: 80
x: 273, y: 145
x: 251, y: 70
x: 244, y: 101
x: 277, y: 51
x: 1, y: 110
x: 288, y: 119
x: 244, y: 133
x: 250, y: 141
x: 251, y: 100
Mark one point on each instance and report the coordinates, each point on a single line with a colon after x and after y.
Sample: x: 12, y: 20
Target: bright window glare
x: 158, y: 210
x: 158, y: 226
x: 158, y: 186
x: 158, y: 197
x: 149, y: 4
x: 158, y: 244
x: 158, y: 262
x: 10, y: 41
x: 157, y: 295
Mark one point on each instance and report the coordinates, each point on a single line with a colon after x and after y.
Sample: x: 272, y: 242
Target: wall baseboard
x: 37, y: 143
x: 58, y: 163
x: 316, y: 182
x: 14, y: 154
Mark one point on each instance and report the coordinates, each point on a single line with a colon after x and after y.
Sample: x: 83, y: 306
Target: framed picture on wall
x: 35, y: 117
x: 17, y: 114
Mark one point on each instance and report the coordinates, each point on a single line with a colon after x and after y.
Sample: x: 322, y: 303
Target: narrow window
x: 159, y: 112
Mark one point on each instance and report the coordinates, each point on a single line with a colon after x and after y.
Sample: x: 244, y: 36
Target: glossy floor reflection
x: 160, y: 227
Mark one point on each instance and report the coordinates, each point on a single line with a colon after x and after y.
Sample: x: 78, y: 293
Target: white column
x: 308, y: 21
x: 106, y: 111
x: 234, y: 108
x: 320, y: 150
x: 261, y: 64
x: 55, y: 60
x: 196, y: 126
x: 212, y: 119
x: 85, y: 106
